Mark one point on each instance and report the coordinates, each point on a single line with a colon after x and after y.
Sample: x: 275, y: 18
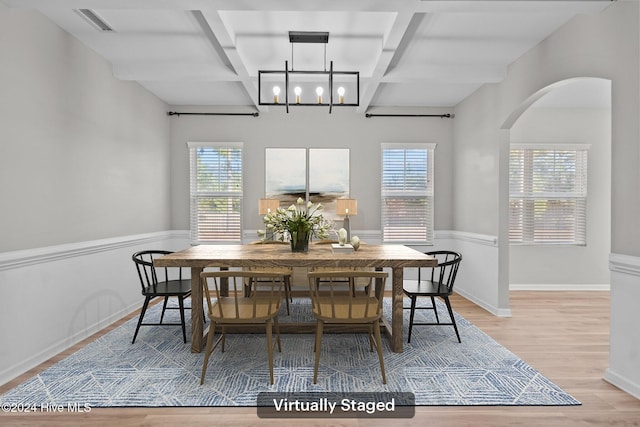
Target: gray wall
x: 83, y: 156
x: 565, y: 264
x: 313, y: 127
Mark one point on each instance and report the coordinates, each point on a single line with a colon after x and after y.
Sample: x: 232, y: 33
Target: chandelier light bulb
x: 276, y: 93
x: 297, y: 91
x: 341, y: 95
x: 319, y: 91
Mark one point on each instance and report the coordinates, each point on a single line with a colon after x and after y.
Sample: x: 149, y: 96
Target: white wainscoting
x: 624, y: 359
x: 54, y: 297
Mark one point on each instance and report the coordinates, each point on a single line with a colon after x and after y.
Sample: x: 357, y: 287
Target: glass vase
x: 300, y: 241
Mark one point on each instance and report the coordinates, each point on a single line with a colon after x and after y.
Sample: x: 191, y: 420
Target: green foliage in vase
x: 298, y: 222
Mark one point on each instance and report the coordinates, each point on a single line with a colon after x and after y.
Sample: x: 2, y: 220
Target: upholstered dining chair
x: 360, y: 304
x: 164, y: 282
x: 259, y: 304
x: 439, y: 283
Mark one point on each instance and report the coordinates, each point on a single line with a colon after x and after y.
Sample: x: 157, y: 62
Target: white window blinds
x: 216, y: 192
x: 548, y: 194
x: 407, y: 193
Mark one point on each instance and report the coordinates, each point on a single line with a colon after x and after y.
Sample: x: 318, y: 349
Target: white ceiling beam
x: 227, y: 44
x: 391, y: 44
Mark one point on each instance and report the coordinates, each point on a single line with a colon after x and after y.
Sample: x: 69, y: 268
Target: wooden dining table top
x: 280, y: 255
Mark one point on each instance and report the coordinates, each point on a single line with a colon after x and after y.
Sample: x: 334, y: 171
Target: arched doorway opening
x: 566, y: 114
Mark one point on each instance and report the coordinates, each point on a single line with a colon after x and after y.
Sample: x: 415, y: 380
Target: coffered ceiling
x: 408, y: 52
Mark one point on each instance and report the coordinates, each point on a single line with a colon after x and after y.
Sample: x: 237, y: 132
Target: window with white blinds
x: 548, y: 194
x: 407, y: 193
x: 216, y: 192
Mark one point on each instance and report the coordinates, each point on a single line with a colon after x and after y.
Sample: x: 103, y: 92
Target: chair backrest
x: 444, y: 274
x: 349, y: 296
x: 225, y: 294
x: 149, y: 274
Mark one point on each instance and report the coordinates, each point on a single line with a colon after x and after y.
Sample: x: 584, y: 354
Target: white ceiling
x: 408, y: 52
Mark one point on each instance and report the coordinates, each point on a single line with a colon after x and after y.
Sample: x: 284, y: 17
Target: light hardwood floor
x: 564, y: 335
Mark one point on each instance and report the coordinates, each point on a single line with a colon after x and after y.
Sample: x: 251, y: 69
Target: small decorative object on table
x: 298, y: 223
x: 342, y: 237
x: 337, y: 248
x: 355, y: 242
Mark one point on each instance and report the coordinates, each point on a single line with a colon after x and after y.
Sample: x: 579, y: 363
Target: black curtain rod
x: 442, y: 116
x: 177, y: 113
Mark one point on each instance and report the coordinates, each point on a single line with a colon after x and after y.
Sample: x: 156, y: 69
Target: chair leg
x: 453, y: 319
x: 277, y: 328
x: 164, y: 307
x: 270, y: 348
x: 287, y: 291
x: 208, y: 351
x: 224, y: 337
x: 319, y: 327
x: 142, y: 312
x: 376, y: 331
x: 184, y: 327
x: 435, y: 309
x: 413, y: 311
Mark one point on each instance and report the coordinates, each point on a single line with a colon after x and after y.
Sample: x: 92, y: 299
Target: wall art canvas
x: 328, y: 177
x: 286, y: 174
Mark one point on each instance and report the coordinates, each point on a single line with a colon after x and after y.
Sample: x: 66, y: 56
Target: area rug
x: 160, y: 371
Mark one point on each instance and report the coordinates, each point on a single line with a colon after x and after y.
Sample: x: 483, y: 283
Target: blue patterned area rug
x: 160, y: 371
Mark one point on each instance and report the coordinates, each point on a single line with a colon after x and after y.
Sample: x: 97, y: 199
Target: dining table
x: 395, y: 257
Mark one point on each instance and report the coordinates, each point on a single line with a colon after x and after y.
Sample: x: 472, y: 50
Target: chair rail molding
x: 625, y: 264
x: 27, y: 257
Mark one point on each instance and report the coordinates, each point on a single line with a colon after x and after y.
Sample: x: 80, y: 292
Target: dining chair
x: 163, y: 282
x: 352, y: 299
x: 286, y: 272
x: 439, y: 283
x: 231, y: 303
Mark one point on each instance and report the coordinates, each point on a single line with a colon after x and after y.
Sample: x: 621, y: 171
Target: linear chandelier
x: 307, y: 88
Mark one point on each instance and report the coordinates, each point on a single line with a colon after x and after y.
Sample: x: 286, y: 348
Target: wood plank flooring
x: 564, y: 335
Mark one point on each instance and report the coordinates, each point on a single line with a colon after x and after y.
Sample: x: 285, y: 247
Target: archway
x: 565, y: 114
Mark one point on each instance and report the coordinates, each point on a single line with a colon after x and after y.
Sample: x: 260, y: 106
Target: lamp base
x: 347, y: 227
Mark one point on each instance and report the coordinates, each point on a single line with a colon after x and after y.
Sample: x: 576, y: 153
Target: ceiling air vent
x: 94, y: 19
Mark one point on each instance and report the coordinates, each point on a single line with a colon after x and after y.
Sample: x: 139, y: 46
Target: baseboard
x: 559, y: 287
x: 622, y: 383
x: 47, y: 353
x: 500, y: 312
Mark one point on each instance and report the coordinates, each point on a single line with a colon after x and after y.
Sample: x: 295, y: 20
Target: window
x: 216, y: 192
x: 548, y: 194
x: 407, y: 193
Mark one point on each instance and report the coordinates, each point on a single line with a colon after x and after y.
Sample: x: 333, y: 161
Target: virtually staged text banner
x: 336, y: 405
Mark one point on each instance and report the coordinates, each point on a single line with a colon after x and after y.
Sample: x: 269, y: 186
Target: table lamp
x: 347, y: 207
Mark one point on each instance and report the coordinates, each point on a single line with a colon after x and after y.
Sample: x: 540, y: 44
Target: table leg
x: 396, y: 313
x: 197, y: 321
